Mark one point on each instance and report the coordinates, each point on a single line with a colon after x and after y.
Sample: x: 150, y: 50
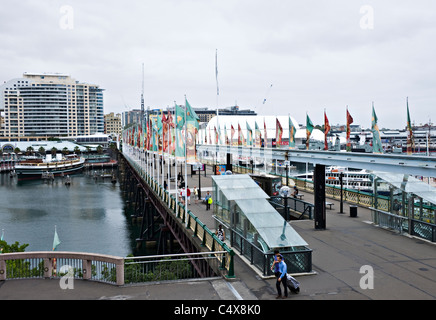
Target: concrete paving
x: 403, y: 267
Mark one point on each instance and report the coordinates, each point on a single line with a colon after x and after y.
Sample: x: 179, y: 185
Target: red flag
x: 232, y: 133
x: 265, y: 138
x: 326, y: 130
x: 349, y: 122
x: 279, y: 133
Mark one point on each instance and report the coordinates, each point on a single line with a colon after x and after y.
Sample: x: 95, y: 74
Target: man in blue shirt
x: 282, y: 278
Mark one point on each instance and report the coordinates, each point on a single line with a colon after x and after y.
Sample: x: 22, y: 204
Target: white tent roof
x: 270, y: 122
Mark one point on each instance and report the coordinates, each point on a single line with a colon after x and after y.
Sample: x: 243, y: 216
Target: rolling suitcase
x: 293, y: 284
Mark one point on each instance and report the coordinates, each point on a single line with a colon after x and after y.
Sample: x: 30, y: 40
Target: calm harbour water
x: 90, y: 216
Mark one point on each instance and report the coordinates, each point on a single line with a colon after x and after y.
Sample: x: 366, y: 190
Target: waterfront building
x: 50, y: 105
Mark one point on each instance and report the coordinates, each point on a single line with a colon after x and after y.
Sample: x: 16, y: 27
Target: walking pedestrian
x: 207, y: 200
x: 282, y: 279
x: 188, y: 194
x: 220, y: 233
x: 275, y: 264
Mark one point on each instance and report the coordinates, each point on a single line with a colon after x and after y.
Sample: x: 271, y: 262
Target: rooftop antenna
x: 142, y: 95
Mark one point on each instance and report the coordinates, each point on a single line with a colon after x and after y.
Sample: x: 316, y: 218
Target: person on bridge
x: 208, y: 196
x: 220, y: 233
x: 282, y: 279
x: 188, y: 194
x: 295, y: 192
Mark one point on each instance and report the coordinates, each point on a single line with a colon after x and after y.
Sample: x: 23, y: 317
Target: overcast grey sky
x: 317, y: 54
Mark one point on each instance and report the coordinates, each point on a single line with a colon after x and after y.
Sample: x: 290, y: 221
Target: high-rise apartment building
x: 53, y: 105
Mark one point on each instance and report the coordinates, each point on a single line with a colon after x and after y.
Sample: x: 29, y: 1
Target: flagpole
x: 186, y: 160
x: 175, y: 159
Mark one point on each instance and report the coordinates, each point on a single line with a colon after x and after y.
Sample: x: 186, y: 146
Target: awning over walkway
x: 270, y: 225
x: 252, y: 204
x: 409, y: 184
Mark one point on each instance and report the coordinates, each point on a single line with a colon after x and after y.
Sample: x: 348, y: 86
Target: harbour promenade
x: 403, y: 267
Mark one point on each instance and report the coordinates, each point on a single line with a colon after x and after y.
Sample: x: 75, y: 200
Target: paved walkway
x: 404, y: 268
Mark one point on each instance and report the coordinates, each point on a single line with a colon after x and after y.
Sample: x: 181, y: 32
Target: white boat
x: 360, y: 180
x: 37, y: 168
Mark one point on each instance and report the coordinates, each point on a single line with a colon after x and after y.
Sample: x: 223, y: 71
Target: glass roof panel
x: 239, y: 186
x: 270, y: 225
x: 409, y: 184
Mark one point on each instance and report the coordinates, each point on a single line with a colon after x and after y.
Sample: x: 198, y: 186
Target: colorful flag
x: 279, y: 133
x: 326, y: 130
x: 56, y: 241
x: 349, y: 122
x: 240, y: 136
x: 265, y: 137
x: 257, y: 136
x: 180, y: 138
x: 232, y: 133
x: 249, y: 135
x: 410, y: 140
x: 216, y: 135
x: 292, y: 131
x: 309, y: 129
x: 376, y: 141
x: 226, y: 137
x: 192, y: 127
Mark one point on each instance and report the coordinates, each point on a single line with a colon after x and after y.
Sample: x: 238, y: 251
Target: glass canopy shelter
x: 253, y: 225
x: 412, y: 205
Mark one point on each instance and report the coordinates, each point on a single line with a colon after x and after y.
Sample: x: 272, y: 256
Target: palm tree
x: 41, y: 150
x: 76, y: 150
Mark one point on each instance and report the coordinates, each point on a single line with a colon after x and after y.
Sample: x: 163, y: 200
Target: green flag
x: 309, y: 129
x: 56, y: 240
x: 376, y: 141
x: 191, y: 116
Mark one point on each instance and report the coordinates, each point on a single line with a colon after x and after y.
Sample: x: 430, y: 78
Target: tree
x: 29, y: 150
x: 41, y: 150
x: 53, y: 151
x: 65, y: 150
x: 76, y: 150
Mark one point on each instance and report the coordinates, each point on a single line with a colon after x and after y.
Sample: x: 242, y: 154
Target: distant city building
x: 129, y: 117
x: 112, y: 124
x: 50, y: 105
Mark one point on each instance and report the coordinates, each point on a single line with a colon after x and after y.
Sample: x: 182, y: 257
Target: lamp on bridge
x: 285, y: 193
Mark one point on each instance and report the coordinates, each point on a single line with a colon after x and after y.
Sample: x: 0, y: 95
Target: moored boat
x: 37, y: 168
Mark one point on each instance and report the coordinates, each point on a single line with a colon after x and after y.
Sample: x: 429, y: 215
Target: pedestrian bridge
x: 406, y: 164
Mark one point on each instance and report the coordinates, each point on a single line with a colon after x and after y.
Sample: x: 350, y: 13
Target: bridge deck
x: 404, y: 267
